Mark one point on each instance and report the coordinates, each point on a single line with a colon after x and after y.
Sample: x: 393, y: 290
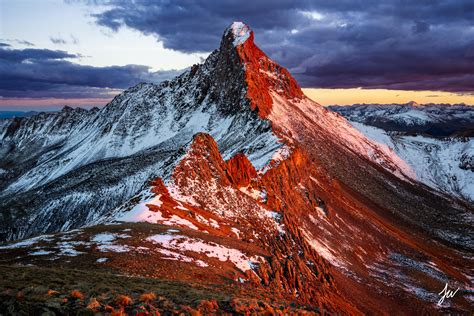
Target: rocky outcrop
x: 240, y: 170
x: 292, y: 266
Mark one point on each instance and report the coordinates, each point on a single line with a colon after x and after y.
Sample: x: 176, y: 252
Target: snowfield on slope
x: 141, y: 213
x: 436, y: 162
x: 210, y: 249
x: 314, y: 116
x: 130, y: 134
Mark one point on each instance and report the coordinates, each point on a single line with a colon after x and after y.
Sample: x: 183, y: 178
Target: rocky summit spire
x: 262, y: 75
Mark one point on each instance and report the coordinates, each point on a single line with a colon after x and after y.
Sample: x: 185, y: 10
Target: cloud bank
x: 408, y: 45
x: 415, y: 45
x: 44, y: 73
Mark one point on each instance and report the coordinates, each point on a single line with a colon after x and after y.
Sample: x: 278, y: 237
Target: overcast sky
x: 83, y: 52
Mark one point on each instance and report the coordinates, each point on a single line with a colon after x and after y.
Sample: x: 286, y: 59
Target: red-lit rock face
x: 318, y: 214
x: 240, y: 170
x: 222, y: 191
x: 263, y: 75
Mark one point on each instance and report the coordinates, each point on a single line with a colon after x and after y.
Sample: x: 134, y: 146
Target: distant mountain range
x: 11, y: 114
x: 436, y: 140
x: 436, y: 120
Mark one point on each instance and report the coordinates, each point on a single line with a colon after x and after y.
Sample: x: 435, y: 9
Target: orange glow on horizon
x: 384, y: 96
x: 322, y: 96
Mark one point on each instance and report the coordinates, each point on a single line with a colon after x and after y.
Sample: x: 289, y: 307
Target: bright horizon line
x: 324, y: 97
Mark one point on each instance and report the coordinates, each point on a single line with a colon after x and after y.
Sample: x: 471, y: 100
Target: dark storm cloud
x: 32, y: 54
x: 412, y: 45
x: 421, y: 27
x: 46, y: 73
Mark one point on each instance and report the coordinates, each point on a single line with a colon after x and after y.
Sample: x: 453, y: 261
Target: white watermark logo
x: 446, y: 293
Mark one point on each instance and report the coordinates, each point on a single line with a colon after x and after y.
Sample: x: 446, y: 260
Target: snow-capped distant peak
x: 240, y: 31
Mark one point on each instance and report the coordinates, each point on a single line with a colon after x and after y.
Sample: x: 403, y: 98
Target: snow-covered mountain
x: 435, y: 140
x: 437, y: 120
x: 89, y: 162
x: 230, y: 177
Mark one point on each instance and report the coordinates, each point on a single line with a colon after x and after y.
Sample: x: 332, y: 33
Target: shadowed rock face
x: 248, y: 164
x: 263, y: 75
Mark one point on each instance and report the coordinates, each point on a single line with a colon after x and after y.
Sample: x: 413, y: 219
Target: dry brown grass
x: 123, y: 300
x: 150, y: 296
x: 109, y: 309
x: 20, y: 296
x: 147, y: 297
x: 52, y: 292
x: 208, y: 306
x: 77, y: 295
x: 93, y: 304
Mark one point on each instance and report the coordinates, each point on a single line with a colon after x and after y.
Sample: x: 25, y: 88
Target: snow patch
x: 435, y: 161
x: 28, y: 242
x: 105, y: 242
x: 236, y: 231
x: 210, y: 222
x: 240, y: 32
x: 142, y: 213
x: 277, y: 217
x: 171, y: 255
x: 324, y: 250
x: 210, y: 249
x: 103, y: 238
x: 113, y: 248
x: 67, y: 248
x: 253, y: 193
x: 40, y: 253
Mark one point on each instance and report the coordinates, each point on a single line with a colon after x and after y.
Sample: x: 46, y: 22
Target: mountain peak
x: 414, y: 104
x: 67, y: 108
x: 262, y: 75
x: 240, y: 33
